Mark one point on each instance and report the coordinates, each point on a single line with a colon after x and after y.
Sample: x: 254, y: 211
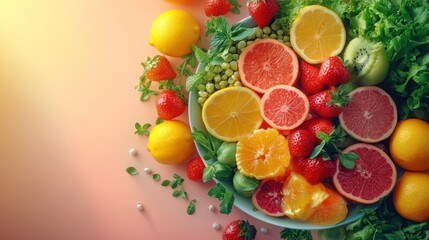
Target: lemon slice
x: 317, y: 33
x: 232, y: 113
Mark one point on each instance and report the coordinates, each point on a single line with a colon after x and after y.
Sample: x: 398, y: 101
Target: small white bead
x: 133, y: 152
x: 212, y: 208
x: 147, y: 170
x: 216, y: 226
x: 264, y: 230
x: 139, y: 206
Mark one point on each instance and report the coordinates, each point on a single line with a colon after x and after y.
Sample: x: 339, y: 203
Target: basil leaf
x: 132, y: 171
x: 227, y: 202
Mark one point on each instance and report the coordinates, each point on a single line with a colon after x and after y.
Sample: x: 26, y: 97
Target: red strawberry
x: 332, y: 71
x: 318, y: 170
x: 195, y: 169
x: 169, y: 105
x: 327, y: 103
x: 316, y: 125
x: 308, y: 75
x: 239, y: 230
x: 301, y: 142
x: 158, y: 69
x: 262, y: 11
x: 221, y: 7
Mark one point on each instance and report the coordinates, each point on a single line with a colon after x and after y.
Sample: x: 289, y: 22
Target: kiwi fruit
x: 366, y: 61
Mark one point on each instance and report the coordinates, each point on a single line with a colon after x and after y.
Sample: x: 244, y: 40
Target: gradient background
x: 68, y: 107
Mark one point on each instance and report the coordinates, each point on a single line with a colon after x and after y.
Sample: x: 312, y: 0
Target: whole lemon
x: 411, y: 196
x: 170, y: 142
x: 409, y: 145
x: 173, y: 33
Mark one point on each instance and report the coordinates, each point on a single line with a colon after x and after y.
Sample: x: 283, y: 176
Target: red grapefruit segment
x: 371, y: 115
x: 267, y: 63
x: 372, y: 178
x: 284, y: 107
x: 268, y: 197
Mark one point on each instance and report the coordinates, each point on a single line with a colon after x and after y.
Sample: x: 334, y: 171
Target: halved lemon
x: 232, y: 113
x: 317, y: 33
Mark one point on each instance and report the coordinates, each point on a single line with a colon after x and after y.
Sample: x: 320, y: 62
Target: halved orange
x: 264, y: 154
x: 300, y: 198
x: 232, y: 113
x: 317, y: 33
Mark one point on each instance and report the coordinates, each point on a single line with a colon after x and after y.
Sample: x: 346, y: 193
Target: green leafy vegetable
x: 295, y: 234
x: 132, y: 171
x: 226, y: 197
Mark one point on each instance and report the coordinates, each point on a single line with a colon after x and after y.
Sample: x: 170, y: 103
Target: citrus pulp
x: 170, y: 142
x: 332, y: 210
x: 317, y: 33
x: 284, y: 107
x: 268, y: 197
x: 370, y: 116
x: 263, y: 154
x: 232, y: 113
x: 267, y: 63
x: 373, y: 176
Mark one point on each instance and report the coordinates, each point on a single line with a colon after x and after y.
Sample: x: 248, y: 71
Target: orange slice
x: 300, y: 198
x: 332, y: 210
x: 317, y: 33
x: 264, y: 154
x: 232, y: 113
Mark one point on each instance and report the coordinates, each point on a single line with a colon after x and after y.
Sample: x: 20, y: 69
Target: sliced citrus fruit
x: 373, y: 176
x: 284, y: 107
x: 263, y: 154
x: 232, y: 113
x: 300, y: 198
x: 268, y: 197
x: 332, y: 210
x: 317, y: 33
x: 370, y: 116
x: 266, y: 63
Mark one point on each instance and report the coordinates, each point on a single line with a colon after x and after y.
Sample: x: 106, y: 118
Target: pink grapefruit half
x: 284, y: 107
x: 371, y: 115
x: 268, y: 197
x: 267, y: 63
x: 373, y: 176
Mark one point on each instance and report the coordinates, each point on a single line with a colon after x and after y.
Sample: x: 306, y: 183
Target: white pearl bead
x: 212, y: 208
x: 216, y: 226
x: 133, y: 152
x: 140, y: 206
x: 264, y: 230
x: 147, y: 170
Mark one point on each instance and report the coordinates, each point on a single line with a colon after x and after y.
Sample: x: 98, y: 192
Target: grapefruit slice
x: 232, y: 113
x: 267, y: 63
x: 372, y: 178
x: 332, y: 210
x: 371, y: 115
x: 284, y: 107
x: 268, y: 197
x: 263, y: 154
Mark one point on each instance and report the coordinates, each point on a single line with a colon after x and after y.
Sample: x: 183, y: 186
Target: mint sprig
x: 329, y: 149
x: 208, y: 142
x: 226, y: 197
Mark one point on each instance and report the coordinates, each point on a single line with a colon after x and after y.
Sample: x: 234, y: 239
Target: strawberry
x: 262, y: 11
x: 221, y: 7
x: 308, y: 76
x: 318, y: 170
x: 169, y: 105
x: 195, y: 168
x: 316, y: 125
x: 301, y: 142
x: 332, y: 71
x: 158, y: 69
x: 239, y: 230
x: 328, y: 103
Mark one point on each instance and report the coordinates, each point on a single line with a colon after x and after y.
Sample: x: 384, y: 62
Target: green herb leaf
x: 132, y: 171
x: 226, y: 197
x: 235, y: 6
x: 165, y: 183
x: 156, y: 177
x: 208, y: 173
x: 193, y: 81
x: 240, y: 32
x: 191, y: 207
x: 295, y: 234
x: 177, y: 193
x: 348, y: 159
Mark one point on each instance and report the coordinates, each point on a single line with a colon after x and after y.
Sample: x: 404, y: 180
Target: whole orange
x: 409, y: 145
x: 411, y: 196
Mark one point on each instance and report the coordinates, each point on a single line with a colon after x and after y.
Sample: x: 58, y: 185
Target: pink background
x: 68, y: 107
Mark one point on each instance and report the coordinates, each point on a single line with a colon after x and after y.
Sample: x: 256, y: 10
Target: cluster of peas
x: 226, y: 74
